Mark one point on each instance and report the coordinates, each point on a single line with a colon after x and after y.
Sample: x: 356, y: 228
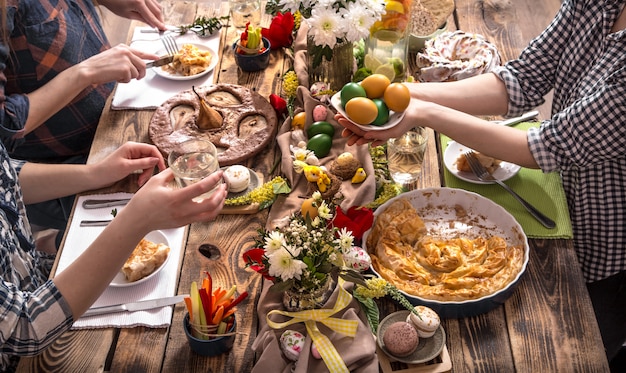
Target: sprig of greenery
x: 208, y: 24
x: 264, y: 195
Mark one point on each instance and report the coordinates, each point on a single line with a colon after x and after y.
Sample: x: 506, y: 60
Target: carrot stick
x: 189, y: 308
x: 218, y: 316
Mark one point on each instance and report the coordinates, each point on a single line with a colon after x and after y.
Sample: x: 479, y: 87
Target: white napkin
x: 151, y: 91
x: 161, y: 285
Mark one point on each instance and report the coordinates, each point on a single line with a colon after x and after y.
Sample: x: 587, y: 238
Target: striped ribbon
x: 329, y: 354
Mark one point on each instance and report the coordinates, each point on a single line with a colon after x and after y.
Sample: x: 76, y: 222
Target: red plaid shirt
x: 47, y: 37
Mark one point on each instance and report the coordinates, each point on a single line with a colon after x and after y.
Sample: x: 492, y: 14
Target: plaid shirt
x: 47, y: 37
x: 585, y: 139
x: 32, y: 310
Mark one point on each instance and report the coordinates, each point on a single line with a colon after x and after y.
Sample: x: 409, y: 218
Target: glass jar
x: 335, y: 72
x: 386, y: 49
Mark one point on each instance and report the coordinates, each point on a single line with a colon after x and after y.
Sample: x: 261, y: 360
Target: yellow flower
x: 290, y: 83
x: 376, y: 288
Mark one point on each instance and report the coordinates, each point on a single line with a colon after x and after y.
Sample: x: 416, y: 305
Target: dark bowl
x: 438, y: 208
x: 253, y: 62
x: 210, y: 347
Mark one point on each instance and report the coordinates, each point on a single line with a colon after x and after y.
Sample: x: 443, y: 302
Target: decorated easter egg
x: 357, y: 259
x: 319, y: 113
x: 315, y: 352
x: 292, y: 343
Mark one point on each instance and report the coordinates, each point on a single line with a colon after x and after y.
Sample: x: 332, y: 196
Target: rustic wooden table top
x: 546, y: 326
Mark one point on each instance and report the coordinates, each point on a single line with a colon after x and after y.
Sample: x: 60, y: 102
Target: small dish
x: 427, y: 348
x: 119, y: 281
x: 254, y: 183
x: 253, y: 62
x: 454, y: 150
x: 394, y: 118
x: 162, y: 73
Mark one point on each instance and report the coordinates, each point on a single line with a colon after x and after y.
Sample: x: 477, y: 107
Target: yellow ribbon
x: 329, y: 354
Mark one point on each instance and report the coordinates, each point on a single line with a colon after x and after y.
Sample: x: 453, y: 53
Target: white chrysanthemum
x: 359, y: 20
x: 325, y: 26
x: 317, y: 195
x: 293, y: 250
x: 284, y: 266
x: 345, y: 239
x: 324, y: 211
x: 274, y: 241
x: 316, y: 222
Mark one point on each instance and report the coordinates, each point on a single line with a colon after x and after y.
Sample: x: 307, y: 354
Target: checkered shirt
x: 585, y: 139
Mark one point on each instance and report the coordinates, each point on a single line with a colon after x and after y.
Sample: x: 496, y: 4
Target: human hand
x: 147, y: 11
x: 158, y: 205
x: 359, y: 136
x: 120, y: 64
x: 127, y: 159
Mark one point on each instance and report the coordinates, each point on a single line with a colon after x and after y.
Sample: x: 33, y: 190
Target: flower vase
x: 295, y: 300
x: 336, y: 71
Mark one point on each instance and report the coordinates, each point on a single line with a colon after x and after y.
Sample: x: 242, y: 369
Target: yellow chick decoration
x: 359, y: 176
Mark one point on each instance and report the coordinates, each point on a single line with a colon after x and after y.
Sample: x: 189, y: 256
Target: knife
x: 94, y: 223
x: 160, y: 62
x: 520, y: 119
x: 135, y: 306
x: 97, y: 203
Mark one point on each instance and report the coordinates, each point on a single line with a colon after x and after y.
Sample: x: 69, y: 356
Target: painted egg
x: 357, y: 259
x: 319, y: 113
x: 314, y: 352
x: 292, y: 343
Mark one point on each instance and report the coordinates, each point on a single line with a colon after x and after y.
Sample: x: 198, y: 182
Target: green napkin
x: 542, y: 190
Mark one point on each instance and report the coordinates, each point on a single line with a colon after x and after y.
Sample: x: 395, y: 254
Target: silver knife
x: 160, y: 62
x: 135, y: 306
x: 94, y: 223
x: 520, y: 119
x: 98, y: 203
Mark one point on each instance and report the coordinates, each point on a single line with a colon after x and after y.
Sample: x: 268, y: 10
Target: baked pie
x: 490, y: 163
x: 190, y: 60
x: 144, y: 260
x: 422, y: 264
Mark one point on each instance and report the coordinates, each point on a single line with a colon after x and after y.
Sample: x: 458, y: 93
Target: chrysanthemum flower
x: 285, y: 266
x: 273, y: 242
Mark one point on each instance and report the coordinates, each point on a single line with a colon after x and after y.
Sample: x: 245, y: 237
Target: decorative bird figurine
x: 359, y: 176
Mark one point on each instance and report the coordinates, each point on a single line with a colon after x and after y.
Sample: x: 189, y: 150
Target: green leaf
x: 282, y: 286
x: 371, y: 311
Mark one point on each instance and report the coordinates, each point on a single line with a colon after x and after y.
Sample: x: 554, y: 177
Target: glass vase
x: 336, y: 71
x: 295, y: 300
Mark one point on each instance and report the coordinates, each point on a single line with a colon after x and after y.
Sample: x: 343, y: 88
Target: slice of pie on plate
x: 145, y: 259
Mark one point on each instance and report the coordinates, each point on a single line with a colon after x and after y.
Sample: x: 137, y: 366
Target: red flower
x: 279, y: 104
x: 280, y: 32
x: 254, y: 259
x: 357, y: 219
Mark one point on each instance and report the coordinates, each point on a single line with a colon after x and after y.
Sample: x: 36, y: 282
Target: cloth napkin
x: 162, y: 285
x: 542, y: 190
x: 151, y: 91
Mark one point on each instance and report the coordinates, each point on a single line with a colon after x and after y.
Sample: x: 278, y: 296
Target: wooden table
x: 546, y: 326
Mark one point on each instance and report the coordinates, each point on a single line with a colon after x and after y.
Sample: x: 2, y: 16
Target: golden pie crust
x: 249, y: 122
x: 144, y: 260
x: 443, y: 269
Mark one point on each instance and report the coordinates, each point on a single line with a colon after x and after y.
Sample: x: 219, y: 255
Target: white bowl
x: 438, y: 209
x: 417, y: 42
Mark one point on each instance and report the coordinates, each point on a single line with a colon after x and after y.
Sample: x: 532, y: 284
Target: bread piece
x: 145, y: 259
x: 440, y: 10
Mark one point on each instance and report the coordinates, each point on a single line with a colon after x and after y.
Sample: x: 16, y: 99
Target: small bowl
x: 209, y: 347
x: 417, y: 42
x: 253, y: 62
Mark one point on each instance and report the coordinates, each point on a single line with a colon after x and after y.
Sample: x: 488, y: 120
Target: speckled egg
x: 357, y: 259
x: 292, y: 343
x: 319, y: 113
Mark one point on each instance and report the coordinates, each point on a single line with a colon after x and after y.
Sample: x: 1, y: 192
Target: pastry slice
x: 144, y: 260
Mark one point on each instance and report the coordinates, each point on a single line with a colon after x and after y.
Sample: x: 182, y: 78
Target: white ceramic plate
x: 394, y: 118
x: 119, y: 281
x: 214, y: 58
x: 439, y: 209
x: 427, y: 348
x: 254, y: 182
x: 454, y: 150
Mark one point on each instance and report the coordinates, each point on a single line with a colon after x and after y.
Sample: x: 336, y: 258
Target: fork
x: 170, y: 44
x: 481, y: 173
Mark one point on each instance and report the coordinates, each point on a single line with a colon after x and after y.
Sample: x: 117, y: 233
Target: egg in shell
x: 357, y: 259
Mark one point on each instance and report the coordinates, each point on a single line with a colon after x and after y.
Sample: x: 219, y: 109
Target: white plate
x: 214, y: 58
x: 394, y: 118
x: 454, y: 150
x: 254, y: 182
x: 119, y: 281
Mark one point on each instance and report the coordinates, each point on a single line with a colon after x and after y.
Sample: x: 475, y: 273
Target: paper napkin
x: 151, y: 91
x: 162, y: 285
x: 542, y: 190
